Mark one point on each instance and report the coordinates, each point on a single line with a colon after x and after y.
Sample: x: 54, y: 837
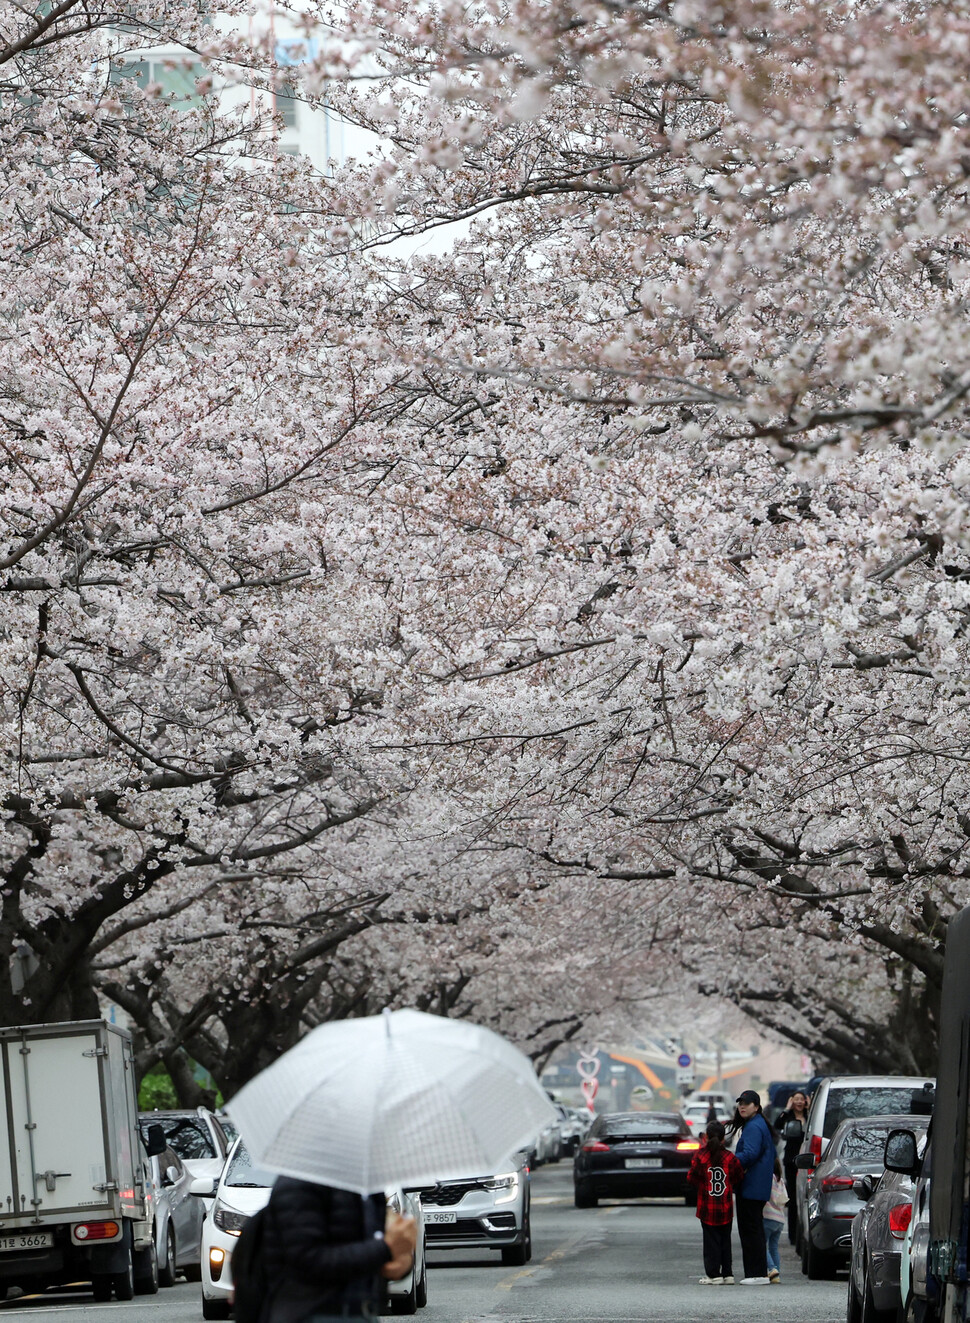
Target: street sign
x: 684, y: 1060
x: 685, y: 1076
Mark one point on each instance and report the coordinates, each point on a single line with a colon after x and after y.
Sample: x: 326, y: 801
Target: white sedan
x: 242, y: 1190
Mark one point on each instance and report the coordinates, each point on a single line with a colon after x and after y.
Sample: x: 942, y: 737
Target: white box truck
x: 75, y: 1199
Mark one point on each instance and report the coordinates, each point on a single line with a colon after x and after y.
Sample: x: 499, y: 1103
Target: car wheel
x: 803, y: 1255
x: 528, y: 1240
x: 215, y: 1308
x: 853, y: 1310
x: 423, y: 1287
x: 101, y: 1288
x: 583, y: 1199
x: 515, y: 1255
x: 166, y: 1273
x: 869, y: 1313
x: 819, y: 1266
x: 145, y: 1268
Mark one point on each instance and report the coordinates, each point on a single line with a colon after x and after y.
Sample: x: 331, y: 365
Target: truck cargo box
x: 68, y: 1132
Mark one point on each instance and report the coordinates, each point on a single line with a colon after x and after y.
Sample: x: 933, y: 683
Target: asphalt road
x: 619, y: 1263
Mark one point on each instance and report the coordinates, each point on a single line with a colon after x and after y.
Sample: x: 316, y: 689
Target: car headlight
x: 507, y: 1184
x: 228, y: 1220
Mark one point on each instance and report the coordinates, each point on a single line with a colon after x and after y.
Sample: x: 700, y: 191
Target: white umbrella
x: 401, y: 1098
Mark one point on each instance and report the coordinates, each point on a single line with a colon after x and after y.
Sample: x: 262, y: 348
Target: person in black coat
x: 327, y: 1252
x: 791, y: 1123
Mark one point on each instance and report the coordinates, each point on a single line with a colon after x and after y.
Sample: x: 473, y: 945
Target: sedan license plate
x: 438, y: 1218
x: 640, y: 1164
x: 29, y: 1240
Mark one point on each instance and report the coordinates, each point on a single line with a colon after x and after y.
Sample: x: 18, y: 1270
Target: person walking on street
x: 756, y: 1153
x: 326, y: 1253
x: 715, y: 1173
x: 774, y: 1218
x: 791, y: 1122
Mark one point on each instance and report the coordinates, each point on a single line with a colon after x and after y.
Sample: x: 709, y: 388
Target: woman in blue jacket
x: 756, y: 1153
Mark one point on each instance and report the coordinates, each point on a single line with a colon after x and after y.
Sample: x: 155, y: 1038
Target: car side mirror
x: 203, y: 1186
x: 805, y: 1162
x: 171, y: 1175
x: 155, y: 1141
x: 900, y: 1153
x: 865, y: 1187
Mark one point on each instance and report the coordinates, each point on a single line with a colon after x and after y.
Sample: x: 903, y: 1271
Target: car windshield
x: 846, y: 1104
x: 187, y: 1136
x: 641, y: 1125
x: 243, y: 1171
x: 864, y: 1145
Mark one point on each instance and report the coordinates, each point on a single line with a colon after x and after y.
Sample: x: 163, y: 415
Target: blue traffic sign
x: 683, y: 1060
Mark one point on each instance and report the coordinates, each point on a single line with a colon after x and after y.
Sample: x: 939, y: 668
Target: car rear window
x: 845, y: 1104
x: 641, y: 1125
x: 866, y: 1145
x: 189, y: 1138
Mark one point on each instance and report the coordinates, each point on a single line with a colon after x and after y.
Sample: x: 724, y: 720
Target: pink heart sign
x: 590, y: 1089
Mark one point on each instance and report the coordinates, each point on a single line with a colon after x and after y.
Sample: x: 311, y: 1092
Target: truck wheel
x: 166, y: 1270
x: 101, y: 1288
x: 215, y: 1308
x: 124, y: 1282
x: 146, y: 1271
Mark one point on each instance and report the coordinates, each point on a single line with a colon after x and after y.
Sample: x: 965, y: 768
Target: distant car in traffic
x: 834, y: 1190
x: 196, y: 1135
x: 491, y: 1211
x: 697, y: 1113
x: 634, y: 1155
x: 878, y: 1240
x: 841, y: 1098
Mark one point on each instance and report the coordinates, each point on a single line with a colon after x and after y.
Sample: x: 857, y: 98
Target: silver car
x: 878, y: 1236
x: 841, y: 1098
x: 178, y: 1220
x: 835, y: 1190
x: 482, y: 1212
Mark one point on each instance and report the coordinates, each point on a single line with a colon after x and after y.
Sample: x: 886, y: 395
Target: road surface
x: 619, y: 1263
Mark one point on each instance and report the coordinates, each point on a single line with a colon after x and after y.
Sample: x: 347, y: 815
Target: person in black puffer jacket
x: 326, y: 1252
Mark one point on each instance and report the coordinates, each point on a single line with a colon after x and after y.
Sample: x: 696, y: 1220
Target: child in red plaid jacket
x: 716, y: 1173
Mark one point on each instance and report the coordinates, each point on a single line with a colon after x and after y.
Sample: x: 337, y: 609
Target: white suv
x: 482, y: 1212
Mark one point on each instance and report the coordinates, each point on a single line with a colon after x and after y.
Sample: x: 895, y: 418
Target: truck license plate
x: 638, y: 1164
x: 28, y: 1240
x: 439, y: 1218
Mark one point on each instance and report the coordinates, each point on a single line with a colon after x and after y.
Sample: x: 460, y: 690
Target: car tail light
x: 596, y: 1147
x: 815, y: 1146
x: 96, y: 1230
x: 687, y: 1145
x: 899, y: 1220
x: 830, y: 1183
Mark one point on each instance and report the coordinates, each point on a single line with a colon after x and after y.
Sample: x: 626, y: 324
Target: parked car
x: 572, y: 1129
x: 634, y: 1155
x: 243, y: 1189
x: 177, y: 1217
x: 197, y: 1137
x: 878, y: 1235
x: 841, y: 1098
x: 834, y: 1190
x: 548, y: 1144
x: 482, y: 1212
x: 918, y: 1292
